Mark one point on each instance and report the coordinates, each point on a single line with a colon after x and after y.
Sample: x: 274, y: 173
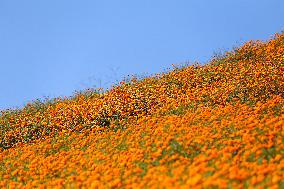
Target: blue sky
x: 54, y: 47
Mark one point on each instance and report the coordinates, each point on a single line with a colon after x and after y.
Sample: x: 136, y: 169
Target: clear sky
x: 54, y: 47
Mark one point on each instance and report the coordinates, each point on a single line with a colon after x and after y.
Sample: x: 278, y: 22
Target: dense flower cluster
x: 218, y: 125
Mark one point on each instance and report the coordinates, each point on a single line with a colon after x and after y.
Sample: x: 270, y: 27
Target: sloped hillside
x: 214, y: 126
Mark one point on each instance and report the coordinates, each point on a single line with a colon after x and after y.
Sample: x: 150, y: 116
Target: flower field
x: 219, y: 125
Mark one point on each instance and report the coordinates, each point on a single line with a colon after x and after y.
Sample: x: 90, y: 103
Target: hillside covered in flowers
x: 219, y: 125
